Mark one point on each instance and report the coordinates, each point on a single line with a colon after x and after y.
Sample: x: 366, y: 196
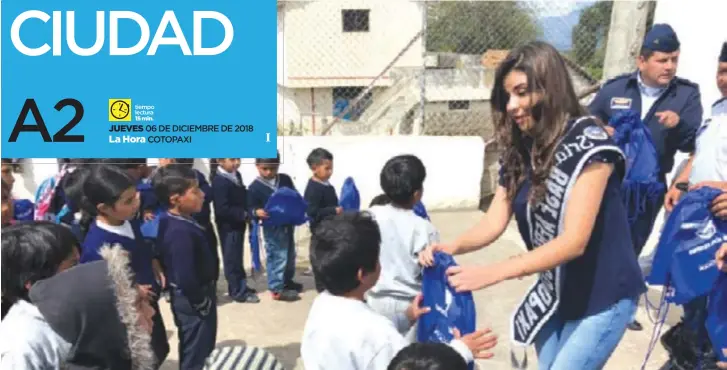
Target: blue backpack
x: 286, y: 207
x: 684, y: 259
x: 641, y: 185
x: 449, y: 309
x: 350, y: 198
x: 421, y: 211
x: 23, y: 210
x: 150, y: 229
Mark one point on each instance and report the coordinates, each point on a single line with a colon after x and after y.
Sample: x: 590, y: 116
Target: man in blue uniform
x: 669, y: 106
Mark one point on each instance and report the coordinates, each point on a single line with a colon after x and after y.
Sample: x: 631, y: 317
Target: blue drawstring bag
x: 641, y: 187
x: 285, y: 207
x: 350, y: 198
x: 23, y: 210
x: 255, y: 246
x: 150, y: 229
x: 717, y: 317
x: 421, y: 211
x: 449, y: 309
x: 684, y: 258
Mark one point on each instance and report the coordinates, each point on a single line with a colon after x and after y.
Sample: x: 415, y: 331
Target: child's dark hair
x: 428, y: 356
x: 32, y: 251
x: 174, y: 179
x: 185, y: 161
x: 13, y: 163
x: 275, y: 160
x: 380, y: 200
x: 88, y: 186
x: 317, y: 156
x: 341, y: 246
x: 124, y: 163
x: 401, y: 177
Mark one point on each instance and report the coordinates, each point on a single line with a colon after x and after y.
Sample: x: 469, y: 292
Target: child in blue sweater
x: 320, y: 194
x: 203, y: 217
x: 108, y: 200
x: 230, y: 197
x: 279, y: 241
x: 189, y: 263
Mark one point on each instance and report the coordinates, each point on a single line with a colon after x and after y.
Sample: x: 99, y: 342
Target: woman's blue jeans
x: 584, y: 344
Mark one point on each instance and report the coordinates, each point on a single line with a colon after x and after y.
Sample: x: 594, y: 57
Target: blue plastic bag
x: 717, y: 317
x: 150, y: 229
x: 286, y: 207
x: 684, y: 257
x: 449, y: 309
x: 350, y: 198
x: 641, y: 187
x: 421, y: 211
x: 23, y: 210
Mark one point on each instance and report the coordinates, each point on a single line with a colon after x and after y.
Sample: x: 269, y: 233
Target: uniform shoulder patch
x: 594, y: 132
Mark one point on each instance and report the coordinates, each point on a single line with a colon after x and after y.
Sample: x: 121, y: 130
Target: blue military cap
x: 723, y: 55
x: 661, y: 38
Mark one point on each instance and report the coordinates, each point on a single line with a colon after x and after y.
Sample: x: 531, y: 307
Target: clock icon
x: 120, y: 109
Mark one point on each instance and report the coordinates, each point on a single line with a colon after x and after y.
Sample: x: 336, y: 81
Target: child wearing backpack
x: 403, y: 236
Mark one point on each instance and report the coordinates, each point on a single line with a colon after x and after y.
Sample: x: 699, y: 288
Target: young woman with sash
x: 560, y: 177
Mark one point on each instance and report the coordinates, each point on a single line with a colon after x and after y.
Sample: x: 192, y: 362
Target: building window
x: 355, y: 20
x: 459, y: 104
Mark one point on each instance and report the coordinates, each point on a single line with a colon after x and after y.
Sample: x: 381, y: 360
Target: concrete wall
x: 319, y: 54
x: 454, y: 166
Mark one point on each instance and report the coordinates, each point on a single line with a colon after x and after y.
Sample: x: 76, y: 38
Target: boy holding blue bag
x: 279, y: 241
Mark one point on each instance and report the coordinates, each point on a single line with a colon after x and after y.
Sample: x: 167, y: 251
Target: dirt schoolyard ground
x: 278, y: 326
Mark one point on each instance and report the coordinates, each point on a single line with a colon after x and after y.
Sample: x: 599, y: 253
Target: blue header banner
x: 139, y: 78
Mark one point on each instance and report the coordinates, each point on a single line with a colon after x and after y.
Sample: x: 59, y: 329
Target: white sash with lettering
x: 583, y: 139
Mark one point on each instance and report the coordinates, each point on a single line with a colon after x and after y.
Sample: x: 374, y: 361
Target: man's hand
x: 668, y: 118
x: 260, y: 213
x: 339, y: 210
x: 719, y: 206
x: 414, y: 311
x: 478, y: 342
x: 721, y: 258
x: 671, y: 198
x: 609, y: 130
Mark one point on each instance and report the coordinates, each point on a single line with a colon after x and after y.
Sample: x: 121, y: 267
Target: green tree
x: 472, y: 27
x: 590, y: 35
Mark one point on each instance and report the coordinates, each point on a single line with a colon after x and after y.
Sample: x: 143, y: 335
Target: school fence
x: 381, y: 67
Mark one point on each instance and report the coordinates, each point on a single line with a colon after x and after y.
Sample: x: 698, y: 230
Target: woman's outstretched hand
x: 426, y: 257
x: 469, y: 278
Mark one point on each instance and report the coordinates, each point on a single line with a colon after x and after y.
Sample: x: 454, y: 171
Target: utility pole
x: 625, y: 35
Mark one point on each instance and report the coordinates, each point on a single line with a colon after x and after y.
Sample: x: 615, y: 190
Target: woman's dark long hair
x: 549, y: 80
x: 30, y: 252
x: 89, y: 186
